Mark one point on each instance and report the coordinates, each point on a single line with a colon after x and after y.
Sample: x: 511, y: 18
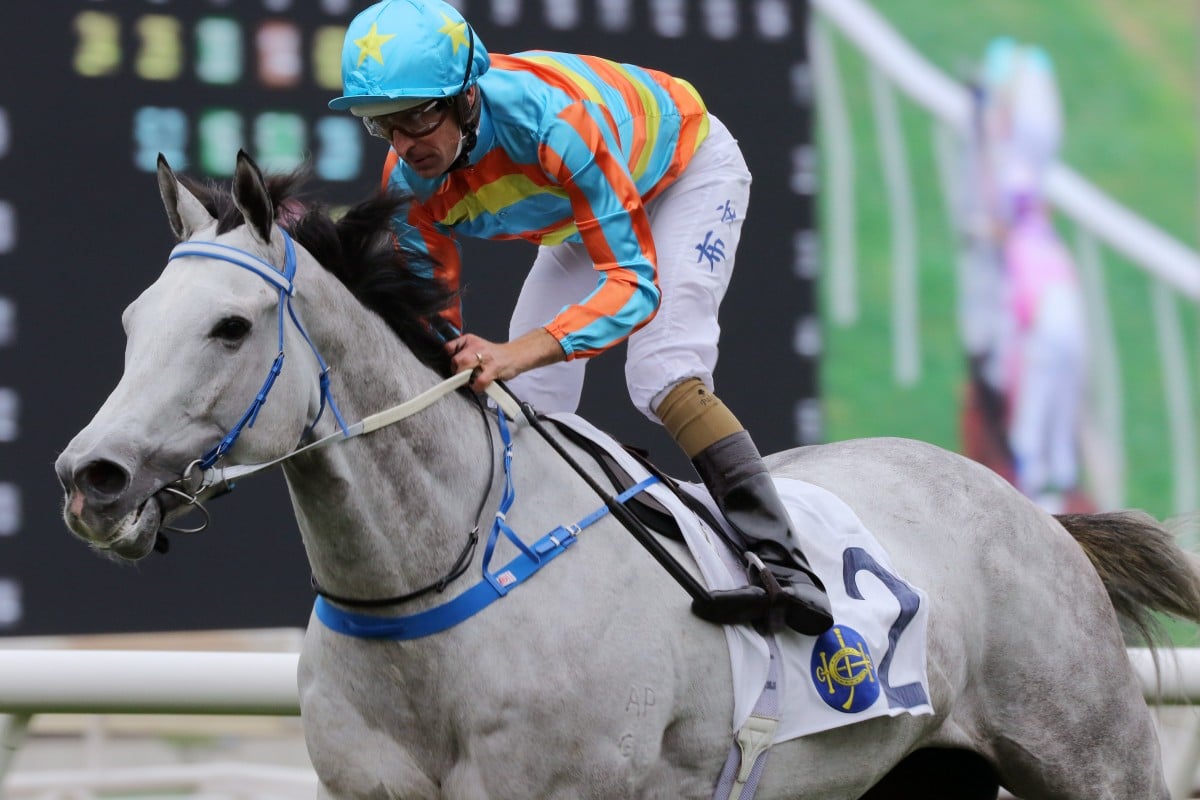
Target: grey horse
x: 1028, y: 674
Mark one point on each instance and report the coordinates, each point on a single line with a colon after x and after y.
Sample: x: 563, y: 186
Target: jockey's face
x: 432, y: 153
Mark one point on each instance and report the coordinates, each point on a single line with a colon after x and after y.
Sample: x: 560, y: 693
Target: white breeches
x: 1044, y: 431
x: 696, y: 223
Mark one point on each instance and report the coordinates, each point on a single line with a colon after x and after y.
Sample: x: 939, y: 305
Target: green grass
x: 1128, y: 78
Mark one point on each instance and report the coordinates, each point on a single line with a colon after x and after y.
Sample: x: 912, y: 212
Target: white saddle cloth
x: 871, y: 663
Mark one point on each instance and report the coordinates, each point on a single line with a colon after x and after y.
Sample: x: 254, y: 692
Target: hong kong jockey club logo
x: 842, y: 670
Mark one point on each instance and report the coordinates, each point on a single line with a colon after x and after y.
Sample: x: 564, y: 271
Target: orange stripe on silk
x: 579, y: 206
x: 447, y: 263
x: 543, y: 70
x: 585, y: 89
x: 633, y: 101
x: 389, y: 164
x: 497, y: 163
x: 621, y: 283
x: 622, y: 185
x: 693, y: 127
x: 616, y: 172
x: 686, y: 98
x: 616, y: 293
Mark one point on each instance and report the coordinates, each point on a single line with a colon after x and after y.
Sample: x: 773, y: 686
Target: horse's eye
x: 231, y: 329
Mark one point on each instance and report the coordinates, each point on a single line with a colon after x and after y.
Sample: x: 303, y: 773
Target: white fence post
x: 13, y: 730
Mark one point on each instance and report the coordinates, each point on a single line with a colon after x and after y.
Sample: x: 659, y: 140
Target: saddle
x: 644, y: 517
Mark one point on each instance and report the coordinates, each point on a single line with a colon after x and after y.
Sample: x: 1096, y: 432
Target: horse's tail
x: 1142, y: 566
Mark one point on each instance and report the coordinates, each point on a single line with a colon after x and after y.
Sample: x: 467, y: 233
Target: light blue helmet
x: 408, y: 49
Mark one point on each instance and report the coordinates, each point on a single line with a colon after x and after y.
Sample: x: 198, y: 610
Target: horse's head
x: 202, y: 341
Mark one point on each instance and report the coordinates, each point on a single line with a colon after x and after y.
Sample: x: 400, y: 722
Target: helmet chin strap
x: 469, y: 125
x: 467, y: 113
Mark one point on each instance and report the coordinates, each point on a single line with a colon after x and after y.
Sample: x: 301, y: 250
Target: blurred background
x: 972, y: 224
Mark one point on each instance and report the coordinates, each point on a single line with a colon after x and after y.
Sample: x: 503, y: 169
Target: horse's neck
x: 390, y: 511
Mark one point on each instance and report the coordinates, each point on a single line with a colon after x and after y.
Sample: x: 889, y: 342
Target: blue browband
x: 491, y: 587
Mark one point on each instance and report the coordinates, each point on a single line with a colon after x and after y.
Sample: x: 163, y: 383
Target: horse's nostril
x: 102, y: 478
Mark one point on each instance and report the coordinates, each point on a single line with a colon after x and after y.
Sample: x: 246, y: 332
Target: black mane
x: 358, y: 248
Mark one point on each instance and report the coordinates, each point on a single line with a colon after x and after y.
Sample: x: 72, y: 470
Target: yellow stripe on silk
x: 495, y: 196
x: 701, y: 134
x: 559, y: 236
x: 652, y: 118
x: 587, y: 87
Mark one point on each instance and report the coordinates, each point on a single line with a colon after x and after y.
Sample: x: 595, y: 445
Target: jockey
x: 1041, y: 351
x: 635, y: 195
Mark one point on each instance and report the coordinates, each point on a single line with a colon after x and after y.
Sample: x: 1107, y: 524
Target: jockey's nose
x: 100, y: 480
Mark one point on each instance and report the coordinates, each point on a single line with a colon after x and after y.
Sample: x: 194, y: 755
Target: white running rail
x: 67, y: 681
x: 264, y: 684
x: 240, y: 683
x: 147, y: 682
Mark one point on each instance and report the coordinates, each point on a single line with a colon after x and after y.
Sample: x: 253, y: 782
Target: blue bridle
x: 494, y: 585
x: 285, y: 283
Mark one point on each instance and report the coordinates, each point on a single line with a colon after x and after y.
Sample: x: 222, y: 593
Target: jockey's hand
x: 492, y: 361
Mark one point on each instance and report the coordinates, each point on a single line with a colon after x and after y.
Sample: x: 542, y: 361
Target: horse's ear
x: 186, y: 214
x: 252, y: 198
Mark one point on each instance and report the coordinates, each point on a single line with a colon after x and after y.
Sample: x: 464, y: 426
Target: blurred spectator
x: 1046, y: 357
x: 984, y: 425
x: 1024, y: 326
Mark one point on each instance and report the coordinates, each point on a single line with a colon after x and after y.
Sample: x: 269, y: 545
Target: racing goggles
x: 413, y: 122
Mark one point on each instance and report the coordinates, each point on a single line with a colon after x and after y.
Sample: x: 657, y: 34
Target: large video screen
x: 96, y: 90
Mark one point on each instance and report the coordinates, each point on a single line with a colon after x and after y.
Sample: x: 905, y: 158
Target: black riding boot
x: 734, y: 473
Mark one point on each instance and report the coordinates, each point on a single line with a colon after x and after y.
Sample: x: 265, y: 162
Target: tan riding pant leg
x: 695, y: 417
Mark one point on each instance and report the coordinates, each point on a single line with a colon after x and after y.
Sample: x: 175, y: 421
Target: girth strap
x: 748, y: 756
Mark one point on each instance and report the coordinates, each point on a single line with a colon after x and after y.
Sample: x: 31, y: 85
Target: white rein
x: 225, y: 476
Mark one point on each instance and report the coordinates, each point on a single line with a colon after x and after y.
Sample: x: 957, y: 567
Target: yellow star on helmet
x: 371, y: 44
x: 457, y: 31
